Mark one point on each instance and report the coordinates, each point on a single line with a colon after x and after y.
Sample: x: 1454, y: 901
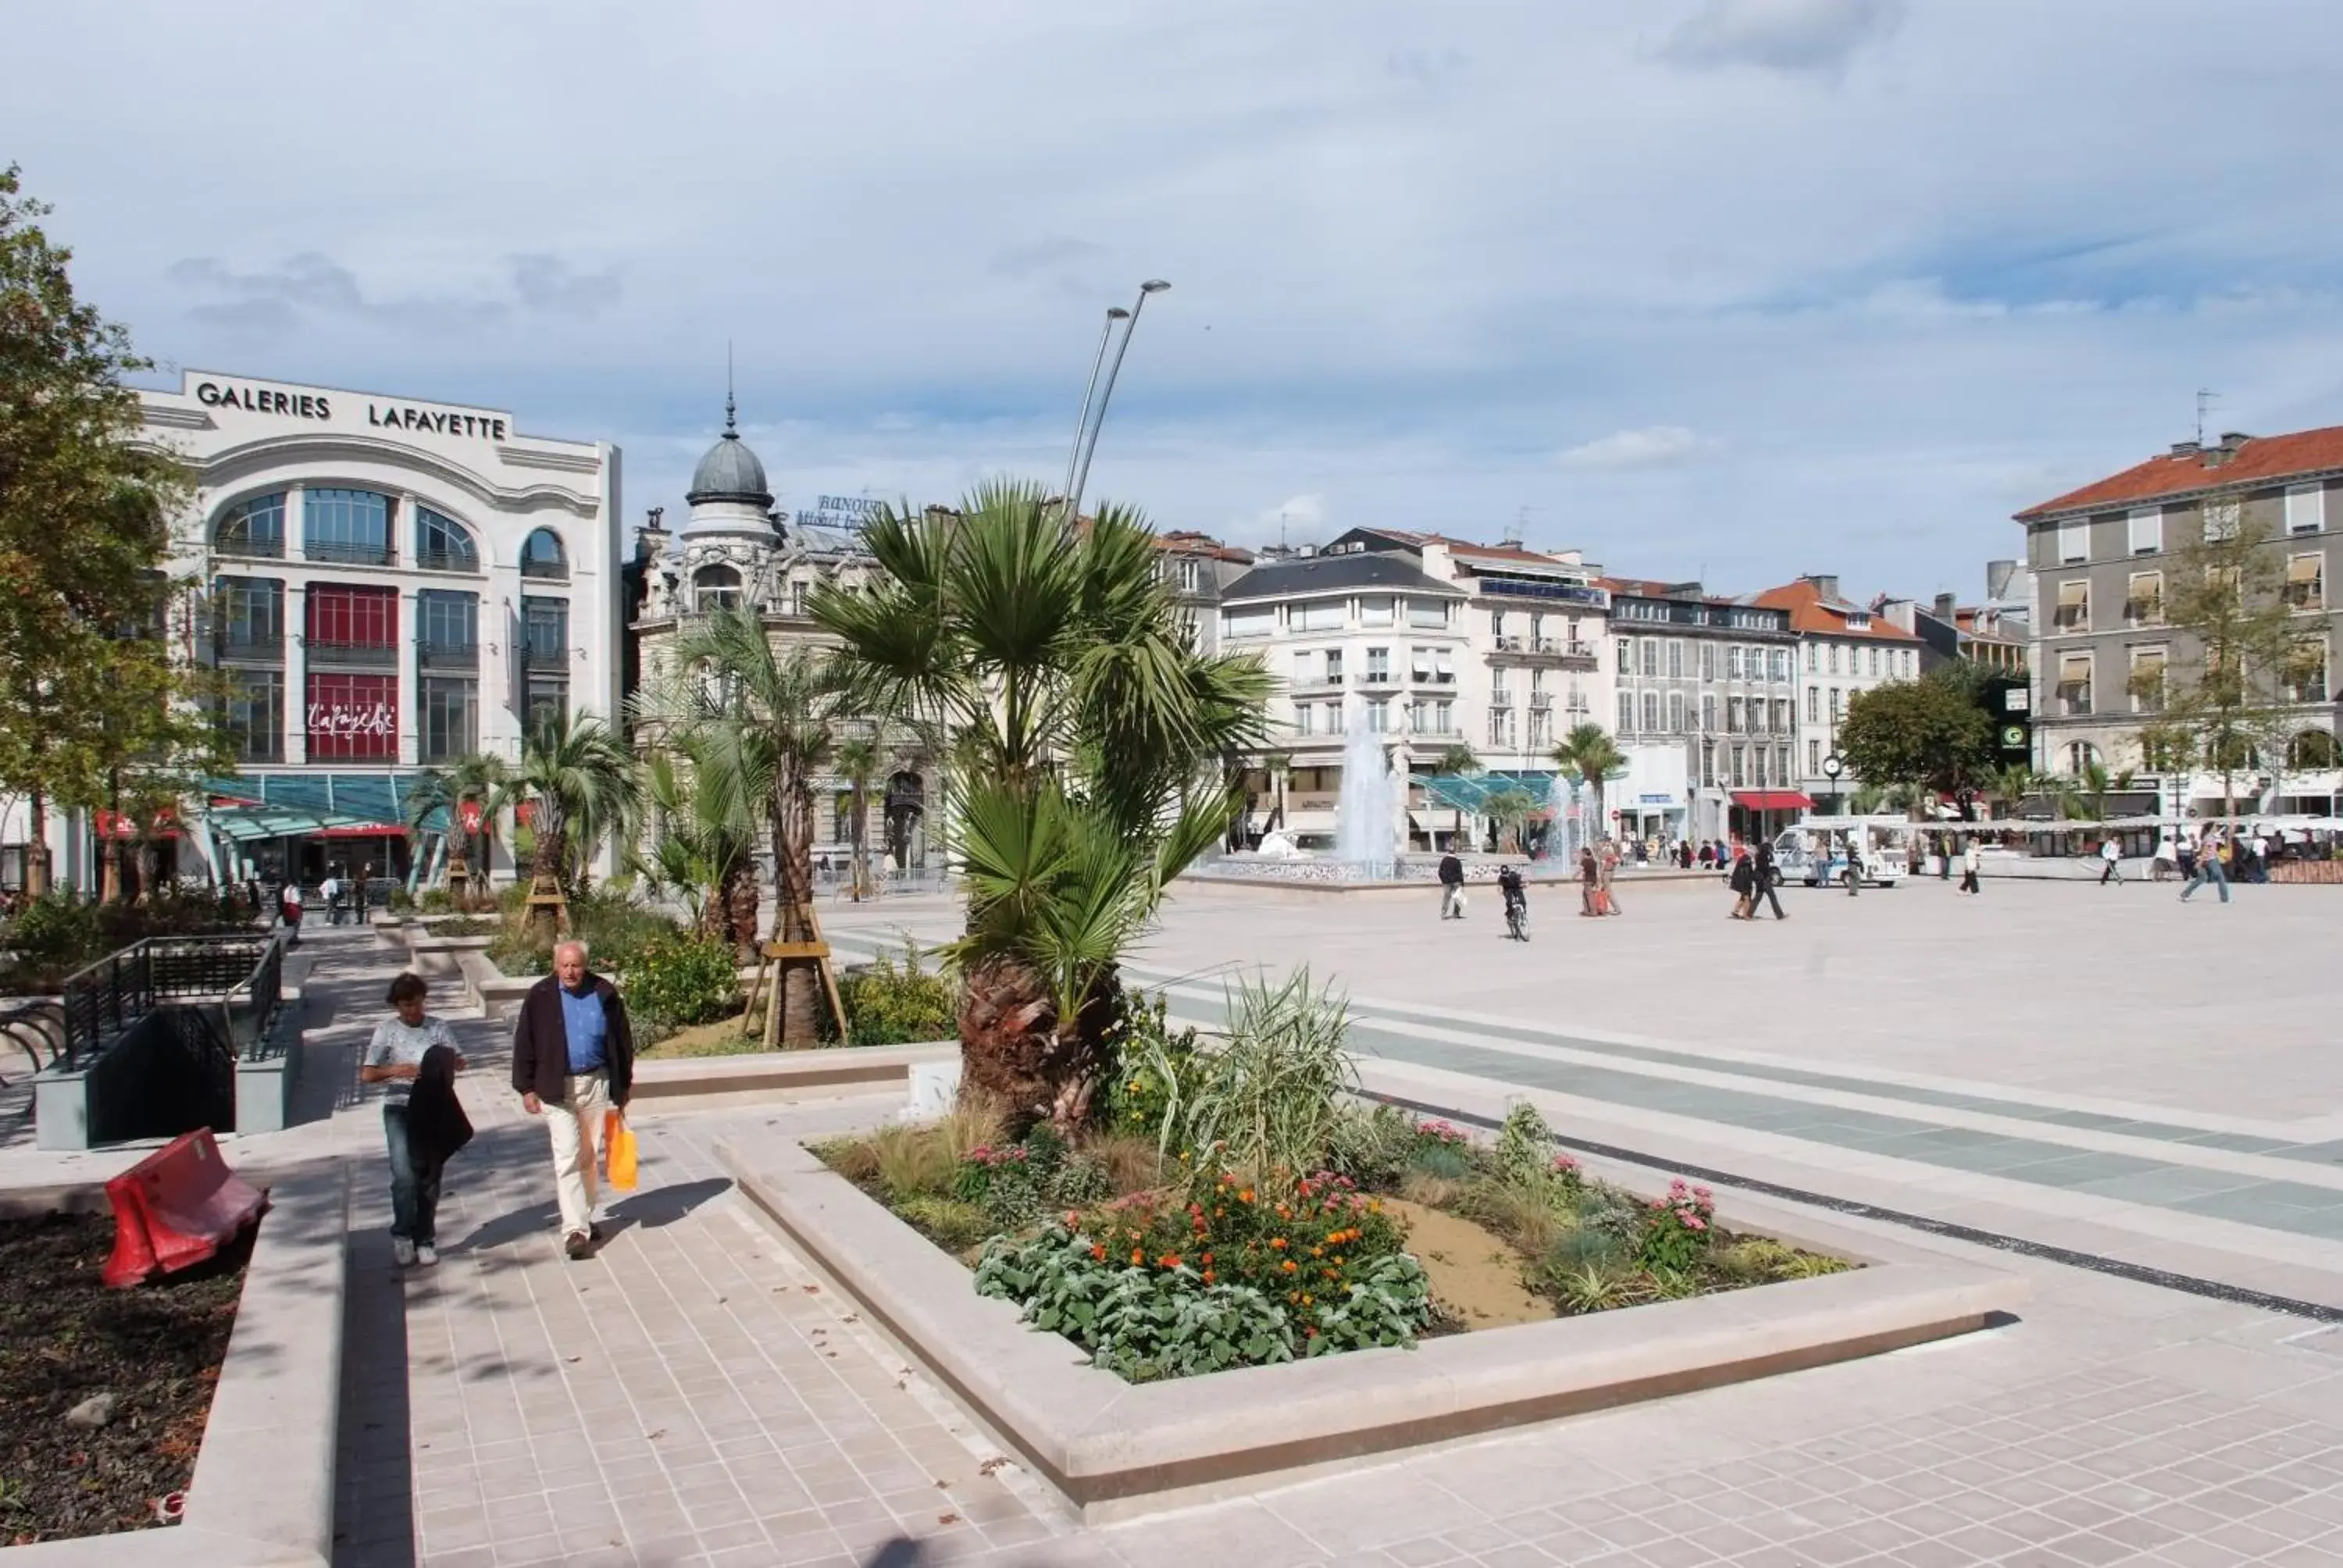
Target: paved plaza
x: 2101, y: 1071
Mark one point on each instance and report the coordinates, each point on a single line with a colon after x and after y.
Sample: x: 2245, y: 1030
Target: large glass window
x: 546, y: 625
x: 543, y: 557
x: 248, y: 617
x: 449, y: 723
x: 448, y: 626
x: 346, y: 617
x: 442, y: 544
x: 548, y: 699
x: 353, y: 715
x: 253, y: 528
x: 252, y: 712
x: 349, y: 526
x: 716, y: 588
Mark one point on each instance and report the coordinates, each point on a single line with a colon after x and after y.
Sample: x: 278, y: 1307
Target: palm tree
x: 1280, y: 767
x: 1048, y: 658
x: 765, y: 716
x: 1458, y: 762
x: 1589, y: 755
x: 2088, y: 795
x: 2009, y: 787
x: 475, y: 776
x: 580, y: 785
x: 859, y: 759
x: 703, y: 844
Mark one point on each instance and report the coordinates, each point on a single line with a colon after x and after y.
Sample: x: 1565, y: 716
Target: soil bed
x: 65, y: 1338
x: 1476, y: 1275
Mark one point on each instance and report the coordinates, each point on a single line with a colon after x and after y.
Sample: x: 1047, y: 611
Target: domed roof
x: 731, y: 471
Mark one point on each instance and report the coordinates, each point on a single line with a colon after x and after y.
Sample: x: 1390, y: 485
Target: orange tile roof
x: 1188, y: 542
x: 1810, y: 613
x: 2257, y: 461
x: 1466, y: 547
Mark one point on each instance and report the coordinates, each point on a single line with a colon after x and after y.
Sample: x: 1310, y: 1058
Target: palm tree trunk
x: 798, y: 991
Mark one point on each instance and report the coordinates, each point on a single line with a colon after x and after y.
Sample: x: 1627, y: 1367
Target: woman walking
x: 418, y: 1129
x: 1743, y: 882
x: 1589, y: 876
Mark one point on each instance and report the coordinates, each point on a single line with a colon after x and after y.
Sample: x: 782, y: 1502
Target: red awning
x: 363, y: 831
x: 1771, y: 800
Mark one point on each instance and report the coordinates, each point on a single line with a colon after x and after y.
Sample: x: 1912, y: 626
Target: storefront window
x: 449, y: 718
x: 353, y: 715
x: 442, y: 544
x: 348, y: 525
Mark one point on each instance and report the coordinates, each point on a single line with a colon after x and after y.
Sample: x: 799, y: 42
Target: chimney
x: 2185, y: 448
x: 1825, y: 583
x: 1944, y: 610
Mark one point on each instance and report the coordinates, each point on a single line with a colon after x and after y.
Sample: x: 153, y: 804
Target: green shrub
x: 1154, y: 1066
x: 673, y: 981
x: 1268, y: 1098
x: 467, y: 926
x: 436, y: 901
x: 401, y: 901
x: 1677, y: 1229
x: 948, y: 1222
x: 56, y: 926
x: 888, y: 1004
x: 518, y: 952
x: 911, y: 1162
x: 1370, y: 1147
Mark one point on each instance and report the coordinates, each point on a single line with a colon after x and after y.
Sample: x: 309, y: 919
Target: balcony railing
x: 548, y: 571
x: 345, y: 552
x: 1313, y: 682
x: 1540, y: 701
x: 248, y: 644
x: 534, y: 658
x: 1568, y: 593
x: 1376, y: 677
x: 365, y: 655
x: 250, y: 549
x: 448, y: 654
x: 448, y: 560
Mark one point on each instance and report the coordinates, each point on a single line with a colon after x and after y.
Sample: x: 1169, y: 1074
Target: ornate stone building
x: 735, y: 550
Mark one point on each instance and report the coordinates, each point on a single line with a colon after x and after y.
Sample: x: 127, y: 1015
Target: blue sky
x: 1737, y: 288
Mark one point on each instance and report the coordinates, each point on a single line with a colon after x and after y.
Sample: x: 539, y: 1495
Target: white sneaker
x: 426, y: 1254
x: 402, y: 1252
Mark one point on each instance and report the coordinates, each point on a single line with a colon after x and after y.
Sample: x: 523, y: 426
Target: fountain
x: 1366, y: 811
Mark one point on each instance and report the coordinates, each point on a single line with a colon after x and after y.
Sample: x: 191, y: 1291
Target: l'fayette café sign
x: 317, y: 406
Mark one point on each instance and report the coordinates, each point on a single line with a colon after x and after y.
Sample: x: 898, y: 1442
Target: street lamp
x: 1082, y: 473
x: 1082, y: 421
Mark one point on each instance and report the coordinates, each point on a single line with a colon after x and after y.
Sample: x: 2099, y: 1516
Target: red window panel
x: 353, y: 617
x: 353, y: 715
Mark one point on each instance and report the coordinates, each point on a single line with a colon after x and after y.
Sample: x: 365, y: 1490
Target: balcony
x: 1540, y: 701
x: 1330, y: 680
x: 352, y: 655
x: 448, y: 560
x: 346, y: 553
x: 448, y: 655
x: 243, y: 549
x: 536, y: 657
x: 1376, y: 677
x: 1564, y: 593
x: 544, y: 570
x: 244, y: 645
x: 1433, y: 677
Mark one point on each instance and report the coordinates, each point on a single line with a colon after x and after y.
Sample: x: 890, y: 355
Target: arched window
x: 253, y: 528
x: 2313, y: 748
x: 347, y: 526
x: 2081, y: 754
x: 715, y: 587
x: 442, y: 544
x: 543, y: 557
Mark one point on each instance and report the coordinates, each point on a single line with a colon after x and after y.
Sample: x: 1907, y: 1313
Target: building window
x: 1443, y: 718
x: 2074, y: 611
x: 252, y: 712
x: 254, y: 529
x: 2306, y: 581
x: 1378, y: 717
x: 1303, y: 714
x: 1378, y: 611
x: 1243, y: 623
x: 1735, y: 718
x: 1418, y: 665
x: 2144, y: 600
x: 1626, y: 713
x: 2146, y: 683
x: 1541, y: 729
x: 2075, y: 684
x: 1732, y: 662
x: 350, y: 526
x: 1675, y: 660
x: 248, y: 618
x: 1651, y: 712
x: 1708, y: 661
x: 548, y: 701
x: 2303, y: 678
x: 1757, y: 766
x: 1813, y: 659
x: 1874, y: 664
x: 1427, y: 614
x: 442, y: 544
x: 1190, y: 576
x: 1740, y: 767
x: 1497, y: 627
x: 1625, y: 667
x: 2074, y: 542
x: 544, y: 627
x: 1837, y: 703
x: 1708, y: 713
x: 450, y: 725
x: 1648, y: 651
x: 2313, y: 750
x: 353, y: 715
x: 343, y: 620
x: 1834, y: 659
x: 1320, y: 615
x: 1814, y: 705
x: 1813, y: 759
x: 2223, y: 519
x: 1782, y: 707
x: 714, y: 588
x: 1378, y: 666
x: 1676, y: 712
x: 1781, y: 764
x: 1501, y: 728
x: 542, y: 556
x: 1333, y: 666
x: 1335, y: 720
x: 447, y: 625
x: 2305, y: 508
x: 2146, y: 530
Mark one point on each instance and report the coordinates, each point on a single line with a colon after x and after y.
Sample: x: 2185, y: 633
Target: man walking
x: 2111, y: 855
x: 1451, y: 888
x: 1971, y: 862
x: 573, y: 1060
x: 2208, y: 866
x: 1766, y: 876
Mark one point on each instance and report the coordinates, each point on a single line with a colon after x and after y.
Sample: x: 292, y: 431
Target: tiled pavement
x: 687, y: 1398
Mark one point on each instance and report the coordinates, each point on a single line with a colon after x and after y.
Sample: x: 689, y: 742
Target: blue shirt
x: 586, y: 1025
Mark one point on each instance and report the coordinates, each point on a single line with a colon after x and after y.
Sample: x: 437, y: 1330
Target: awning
x: 329, y: 799
x: 1471, y: 791
x: 1771, y: 800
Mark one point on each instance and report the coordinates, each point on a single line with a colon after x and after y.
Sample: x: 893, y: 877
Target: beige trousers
x: 576, y: 1129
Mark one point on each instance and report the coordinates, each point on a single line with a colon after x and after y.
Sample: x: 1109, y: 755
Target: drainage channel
x: 2190, y: 1284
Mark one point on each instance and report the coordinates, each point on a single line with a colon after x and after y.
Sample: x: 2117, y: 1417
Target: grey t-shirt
x: 397, y: 1043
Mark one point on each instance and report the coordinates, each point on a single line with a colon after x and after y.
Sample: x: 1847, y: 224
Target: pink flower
x: 1702, y: 1194
x: 1693, y: 1222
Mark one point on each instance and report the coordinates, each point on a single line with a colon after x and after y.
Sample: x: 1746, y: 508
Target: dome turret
x: 729, y: 471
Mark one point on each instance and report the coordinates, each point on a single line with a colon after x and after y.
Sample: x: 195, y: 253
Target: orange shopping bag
x: 619, y: 1150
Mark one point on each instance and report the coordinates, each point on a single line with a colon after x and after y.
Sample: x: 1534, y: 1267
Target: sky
x: 1726, y: 289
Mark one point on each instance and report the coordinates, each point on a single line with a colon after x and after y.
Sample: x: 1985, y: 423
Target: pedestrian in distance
x: 573, y: 1061
x: 1972, y: 860
x: 1743, y: 881
x: 1451, y: 888
x: 1516, y: 896
x: 1590, y: 882
x: 2209, y: 869
x: 1763, y: 877
x: 1944, y: 859
x: 2111, y: 857
x: 1608, y: 862
x: 288, y: 909
x: 1853, y: 876
x: 330, y: 893
x: 416, y: 1127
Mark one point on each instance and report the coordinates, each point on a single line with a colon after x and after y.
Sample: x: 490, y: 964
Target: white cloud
x: 1654, y: 446
x: 1817, y: 37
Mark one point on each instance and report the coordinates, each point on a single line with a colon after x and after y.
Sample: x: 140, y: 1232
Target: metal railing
x: 370, y: 655
x: 261, y: 645
x: 550, y: 571
x: 448, y: 560
x: 341, y: 552
x: 113, y: 993
x: 448, y: 654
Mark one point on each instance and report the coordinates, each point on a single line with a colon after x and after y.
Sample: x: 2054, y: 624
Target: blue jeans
x: 2208, y: 871
x: 413, y: 1189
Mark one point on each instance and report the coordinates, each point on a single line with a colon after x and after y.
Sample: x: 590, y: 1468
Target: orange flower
x: 1290, y: 1265
x: 1278, y: 1242
x: 1310, y: 1334
x: 1097, y: 1252
x: 1245, y: 1196
x: 1208, y: 1260
x: 1317, y: 1252
x: 1305, y: 1298
x: 1208, y: 1276
x: 1137, y: 1257
x: 1169, y: 1261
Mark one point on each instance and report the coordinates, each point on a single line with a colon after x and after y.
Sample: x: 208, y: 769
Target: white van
x: 1820, y: 852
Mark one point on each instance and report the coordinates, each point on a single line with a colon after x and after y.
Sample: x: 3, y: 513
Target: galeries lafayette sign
x: 350, y: 718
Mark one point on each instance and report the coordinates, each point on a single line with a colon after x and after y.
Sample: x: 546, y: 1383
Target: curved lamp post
x: 1083, y: 470
x: 1082, y: 420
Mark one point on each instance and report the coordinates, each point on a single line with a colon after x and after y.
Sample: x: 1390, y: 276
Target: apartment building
x: 1844, y: 649
x: 1703, y: 690
x: 2102, y: 556
x: 1198, y: 568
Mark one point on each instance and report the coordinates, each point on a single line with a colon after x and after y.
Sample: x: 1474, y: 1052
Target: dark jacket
x: 540, y: 1062
x: 1764, y: 870
x: 1452, y: 871
x: 1743, y: 878
x: 436, y: 1124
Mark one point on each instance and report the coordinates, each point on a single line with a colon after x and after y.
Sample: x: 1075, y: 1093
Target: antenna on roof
x: 729, y: 424
x: 2205, y: 400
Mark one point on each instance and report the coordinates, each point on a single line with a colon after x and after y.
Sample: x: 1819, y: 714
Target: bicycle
x: 1517, y: 919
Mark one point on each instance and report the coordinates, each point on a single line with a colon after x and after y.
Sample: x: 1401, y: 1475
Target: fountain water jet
x: 1366, y: 809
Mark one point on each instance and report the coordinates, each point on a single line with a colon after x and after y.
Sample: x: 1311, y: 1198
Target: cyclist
x: 1517, y: 901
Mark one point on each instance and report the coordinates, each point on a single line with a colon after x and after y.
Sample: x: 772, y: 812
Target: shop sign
x: 351, y: 718
x: 471, y: 816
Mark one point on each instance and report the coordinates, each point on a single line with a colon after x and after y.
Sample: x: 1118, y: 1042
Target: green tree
x: 95, y: 712
x: 701, y: 843
x: 581, y: 786
x: 475, y: 776
x: 859, y: 759
x: 2089, y: 795
x: 1930, y: 734
x: 1509, y: 810
x: 1588, y: 755
x: 1048, y: 659
x: 2231, y: 688
x: 1457, y: 763
x: 767, y: 719
x: 2008, y: 785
